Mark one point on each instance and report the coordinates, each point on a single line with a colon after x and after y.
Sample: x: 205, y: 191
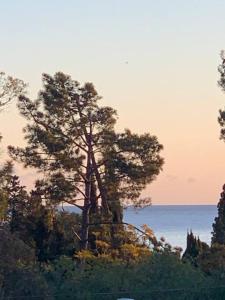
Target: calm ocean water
x: 173, y: 221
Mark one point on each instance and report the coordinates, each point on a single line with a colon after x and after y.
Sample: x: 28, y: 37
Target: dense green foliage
x: 153, y: 278
x: 161, y: 275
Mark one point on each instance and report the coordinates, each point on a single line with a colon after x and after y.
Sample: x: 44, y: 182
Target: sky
x: 155, y: 62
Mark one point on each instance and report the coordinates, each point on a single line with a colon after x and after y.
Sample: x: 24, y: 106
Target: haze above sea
x: 173, y: 221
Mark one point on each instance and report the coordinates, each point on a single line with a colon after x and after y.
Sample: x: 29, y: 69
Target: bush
x: 161, y: 276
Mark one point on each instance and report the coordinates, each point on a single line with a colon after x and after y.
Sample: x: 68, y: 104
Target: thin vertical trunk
x: 94, y: 199
x: 100, y: 184
x: 85, y: 228
x: 87, y: 204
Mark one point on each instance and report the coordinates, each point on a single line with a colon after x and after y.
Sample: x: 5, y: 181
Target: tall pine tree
x: 84, y: 162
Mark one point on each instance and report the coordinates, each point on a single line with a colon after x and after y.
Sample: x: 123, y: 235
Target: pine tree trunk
x: 85, y: 228
x: 87, y: 201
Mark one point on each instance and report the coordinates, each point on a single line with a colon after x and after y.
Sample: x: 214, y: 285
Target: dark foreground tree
x: 72, y: 141
x: 10, y: 88
x: 5, y: 178
x: 49, y: 233
x: 20, y: 277
x: 218, y: 234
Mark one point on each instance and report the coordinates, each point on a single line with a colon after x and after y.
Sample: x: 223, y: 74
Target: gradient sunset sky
x: 154, y: 61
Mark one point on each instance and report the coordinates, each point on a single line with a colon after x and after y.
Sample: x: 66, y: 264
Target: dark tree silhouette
x: 10, y: 88
x: 218, y: 234
x: 221, y: 83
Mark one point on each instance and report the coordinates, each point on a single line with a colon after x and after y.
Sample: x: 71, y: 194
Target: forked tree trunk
x: 89, y: 140
x: 101, y: 187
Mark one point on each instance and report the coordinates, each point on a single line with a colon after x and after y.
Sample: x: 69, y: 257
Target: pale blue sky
x: 168, y: 86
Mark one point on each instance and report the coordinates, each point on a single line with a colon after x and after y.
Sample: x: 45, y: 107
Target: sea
x: 174, y: 221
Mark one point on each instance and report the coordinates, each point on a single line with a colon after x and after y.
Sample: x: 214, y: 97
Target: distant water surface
x: 173, y: 221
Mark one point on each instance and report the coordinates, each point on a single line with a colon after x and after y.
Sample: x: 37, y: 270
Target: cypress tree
x: 192, y: 249
x: 195, y: 247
